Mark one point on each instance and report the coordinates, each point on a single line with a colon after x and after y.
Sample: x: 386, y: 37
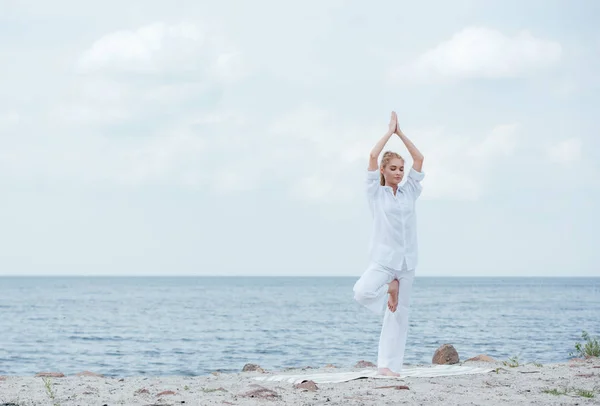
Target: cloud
x: 147, y: 49
x: 142, y: 107
x: 480, y: 52
x: 565, y: 152
x: 182, y: 50
x: 154, y: 71
x: 458, y: 166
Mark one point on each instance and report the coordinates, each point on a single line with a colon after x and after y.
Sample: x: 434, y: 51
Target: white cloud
x: 565, y: 152
x: 480, y: 52
x: 144, y: 72
x: 159, y: 48
x: 147, y: 49
x: 457, y: 166
x: 126, y: 127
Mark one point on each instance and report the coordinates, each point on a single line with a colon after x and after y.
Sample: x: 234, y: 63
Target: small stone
x: 49, y: 375
x: 586, y: 375
x: 307, y: 385
x: 482, y: 358
x: 252, y: 368
x: 261, y: 392
x: 364, y: 364
x: 142, y: 391
x: 397, y: 387
x: 446, y: 354
x: 167, y: 392
x: 88, y: 373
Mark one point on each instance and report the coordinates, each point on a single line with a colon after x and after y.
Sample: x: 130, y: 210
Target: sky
x: 232, y: 137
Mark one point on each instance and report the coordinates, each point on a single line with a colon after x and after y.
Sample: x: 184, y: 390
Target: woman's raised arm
x: 412, y: 150
x: 376, y: 151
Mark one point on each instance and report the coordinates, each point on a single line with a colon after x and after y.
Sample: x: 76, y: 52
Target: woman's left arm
x: 412, y: 150
x: 415, y: 174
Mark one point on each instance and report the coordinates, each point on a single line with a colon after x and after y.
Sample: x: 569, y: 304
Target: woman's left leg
x: 392, y: 341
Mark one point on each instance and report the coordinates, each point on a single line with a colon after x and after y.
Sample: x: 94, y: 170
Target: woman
x: 393, y: 247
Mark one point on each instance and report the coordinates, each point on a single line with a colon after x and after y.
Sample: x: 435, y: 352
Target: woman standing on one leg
x: 393, y: 249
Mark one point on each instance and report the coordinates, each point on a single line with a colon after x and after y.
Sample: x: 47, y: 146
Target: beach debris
x: 2, y: 378
x: 209, y: 390
x: 88, y: 373
x: 446, y: 354
x: 49, y: 375
x: 586, y: 375
x: 261, y: 392
x: 397, y: 387
x: 307, y: 386
x: 142, y: 391
x: 90, y: 390
x: 166, y: 392
x: 252, y: 368
x: 330, y: 366
x: 158, y: 404
x: 482, y: 358
x: 364, y: 364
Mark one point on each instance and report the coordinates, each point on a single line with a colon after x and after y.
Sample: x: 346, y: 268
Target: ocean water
x: 122, y: 326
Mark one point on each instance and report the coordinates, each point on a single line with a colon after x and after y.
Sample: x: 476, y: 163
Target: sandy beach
x: 576, y: 382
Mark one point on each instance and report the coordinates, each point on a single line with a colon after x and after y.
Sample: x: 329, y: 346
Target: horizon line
x: 280, y: 276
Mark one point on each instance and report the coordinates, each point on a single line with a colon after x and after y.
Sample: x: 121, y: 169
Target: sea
x: 165, y: 326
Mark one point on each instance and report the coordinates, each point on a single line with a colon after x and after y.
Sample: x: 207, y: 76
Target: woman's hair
x: 387, y: 157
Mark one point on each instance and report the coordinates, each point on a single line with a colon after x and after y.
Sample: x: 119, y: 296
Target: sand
x: 522, y: 385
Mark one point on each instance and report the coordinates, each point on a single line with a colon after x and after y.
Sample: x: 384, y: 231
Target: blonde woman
x: 386, y: 285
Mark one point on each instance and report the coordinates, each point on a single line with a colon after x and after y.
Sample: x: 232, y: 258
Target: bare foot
x: 393, y: 295
x: 387, y: 372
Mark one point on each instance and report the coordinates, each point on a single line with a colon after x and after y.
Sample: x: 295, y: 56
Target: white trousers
x: 371, y: 291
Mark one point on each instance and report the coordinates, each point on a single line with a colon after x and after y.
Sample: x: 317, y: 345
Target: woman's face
x: 393, y: 172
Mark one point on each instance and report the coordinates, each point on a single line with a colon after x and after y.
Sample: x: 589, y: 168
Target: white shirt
x: 394, y: 238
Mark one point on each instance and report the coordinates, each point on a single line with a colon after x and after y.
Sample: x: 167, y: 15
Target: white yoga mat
x: 337, y: 377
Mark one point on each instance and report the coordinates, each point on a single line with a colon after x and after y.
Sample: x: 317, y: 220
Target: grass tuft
x: 584, y: 393
x: 512, y: 362
x: 568, y: 391
x: 589, y: 348
x: 49, y: 391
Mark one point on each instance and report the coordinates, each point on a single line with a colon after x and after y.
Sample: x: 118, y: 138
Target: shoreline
x: 574, y: 382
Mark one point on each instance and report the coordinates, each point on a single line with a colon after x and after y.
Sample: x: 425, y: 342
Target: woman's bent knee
x: 363, y: 293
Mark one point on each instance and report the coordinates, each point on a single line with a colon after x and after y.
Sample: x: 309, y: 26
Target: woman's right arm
x: 376, y: 151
